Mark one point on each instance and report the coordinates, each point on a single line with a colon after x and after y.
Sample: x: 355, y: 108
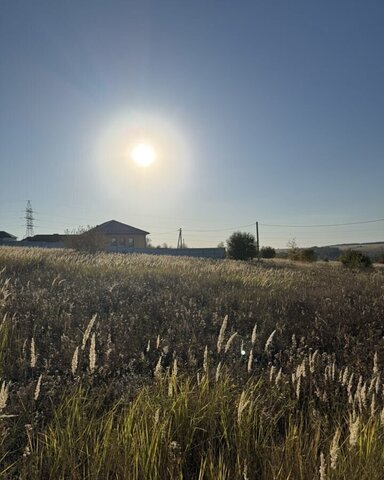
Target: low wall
x: 218, y: 253
x: 41, y: 244
x: 176, y: 252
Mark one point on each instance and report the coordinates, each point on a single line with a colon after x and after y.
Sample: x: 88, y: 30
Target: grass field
x: 145, y: 367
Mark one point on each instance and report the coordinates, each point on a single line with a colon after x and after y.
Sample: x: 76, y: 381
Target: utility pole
x: 180, y: 239
x: 257, y: 242
x: 29, y: 218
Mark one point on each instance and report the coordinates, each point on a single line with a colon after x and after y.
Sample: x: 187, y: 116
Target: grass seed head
x: 334, y: 449
x: 158, y: 370
x: 268, y: 343
x: 298, y: 387
x: 344, y: 378
x: 278, y: 377
x: 174, y: 368
x: 229, y: 342
x: 3, y: 395
x: 322, y: 468
x: 272, y: 373
x: 243, y: 403
x: 37, y: 389
x: 373, y: 405
x: 220, y: 339
x: 75, y: 360
x: 375, y: 364
x: 92, y: 353
x: 88, y: 331
x: 250, y: 361
x: 218, y: 371
x: 33, y: 354
x: 354, y: 424
x: 253, y: 338
x: 205, y: 360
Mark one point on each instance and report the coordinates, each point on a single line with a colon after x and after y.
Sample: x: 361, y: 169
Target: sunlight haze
x: 255, y: 111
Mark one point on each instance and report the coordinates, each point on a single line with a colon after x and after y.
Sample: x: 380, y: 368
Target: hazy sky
x: 258, y: 110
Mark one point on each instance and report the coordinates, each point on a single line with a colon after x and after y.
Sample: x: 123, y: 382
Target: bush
x: 302, y: 255
x: 268, y: 252
x: 241, y: 246
x: 327, y: 253
x: 85, y: 239
x: 307, y: 255
x: 355, y: 259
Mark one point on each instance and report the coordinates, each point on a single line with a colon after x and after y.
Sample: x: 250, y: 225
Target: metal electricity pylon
x: 29, y: 219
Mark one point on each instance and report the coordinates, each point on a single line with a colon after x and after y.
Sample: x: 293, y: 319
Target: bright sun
x: 143, y: 155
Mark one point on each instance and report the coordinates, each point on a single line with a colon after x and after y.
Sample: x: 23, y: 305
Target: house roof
x: 6, y: 235
x: 55, y: 237
x: 113, y: 227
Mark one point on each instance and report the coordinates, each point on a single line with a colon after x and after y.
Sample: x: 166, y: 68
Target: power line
x: 220, y: 229
x: 164, y: 233
x: 322, y: 224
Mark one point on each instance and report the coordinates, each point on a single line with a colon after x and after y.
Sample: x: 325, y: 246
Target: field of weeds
x: 156, y: 368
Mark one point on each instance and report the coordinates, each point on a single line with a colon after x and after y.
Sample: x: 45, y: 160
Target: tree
x: 267, y: 252
x: 241, y: 246
x: 300, y: 254
x: 85, y: 239
x: 293, y: 252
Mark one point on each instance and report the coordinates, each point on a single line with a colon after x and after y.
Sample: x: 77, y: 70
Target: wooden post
x: 180, y: 239
x: 257, y: 241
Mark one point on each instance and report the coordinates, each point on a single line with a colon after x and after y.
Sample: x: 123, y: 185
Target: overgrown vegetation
x: 144, y: 367
x: 302, y: 255
x: 355, y: 259
x: 85, y: 239
x: 267, y: 252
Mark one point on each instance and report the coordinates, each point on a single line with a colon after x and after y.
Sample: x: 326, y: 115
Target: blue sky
x: 258, y: 110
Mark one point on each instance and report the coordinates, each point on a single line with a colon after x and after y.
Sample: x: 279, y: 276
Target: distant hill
x: 332, y: 252
x: 368, y: 246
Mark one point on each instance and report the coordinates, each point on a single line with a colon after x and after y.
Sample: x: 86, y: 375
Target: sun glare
x: 143, y: 155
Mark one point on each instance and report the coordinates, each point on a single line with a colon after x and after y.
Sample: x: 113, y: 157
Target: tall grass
x: 140, y: 367
x: 206, y: 430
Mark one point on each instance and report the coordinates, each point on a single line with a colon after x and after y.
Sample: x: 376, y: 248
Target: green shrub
x: 241, y: 246
x: 307, y: 255
x: 302, y: 255
x: 267, y: 252
x: 355, y: 259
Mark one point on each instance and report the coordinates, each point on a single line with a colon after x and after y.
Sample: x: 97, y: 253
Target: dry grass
x: 116, y: 366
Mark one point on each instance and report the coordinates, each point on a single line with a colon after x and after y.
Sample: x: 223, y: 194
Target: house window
x: 113, y: 241
x: 131, y: 242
